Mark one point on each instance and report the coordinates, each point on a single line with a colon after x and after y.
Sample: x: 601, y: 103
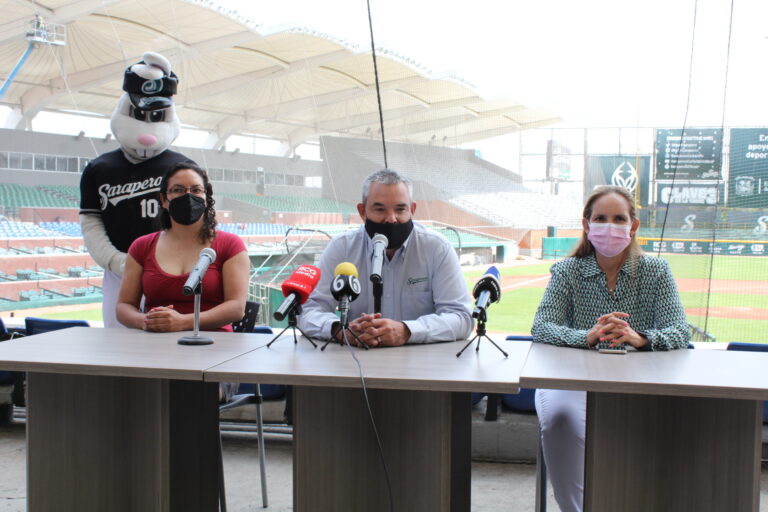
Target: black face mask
x: 396, y: 234
x: 186, y: 209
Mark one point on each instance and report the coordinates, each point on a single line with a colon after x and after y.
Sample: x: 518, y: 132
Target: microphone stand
x: 293, y: 325
x: 196, y: 339
x: 378, y: 291
x: 480, y: 334
x: 344, y: 308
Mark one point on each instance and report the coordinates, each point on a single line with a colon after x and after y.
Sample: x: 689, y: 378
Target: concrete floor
x: 495, y: 487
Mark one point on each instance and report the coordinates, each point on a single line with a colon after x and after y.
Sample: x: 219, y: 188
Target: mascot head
x: 145, y: 122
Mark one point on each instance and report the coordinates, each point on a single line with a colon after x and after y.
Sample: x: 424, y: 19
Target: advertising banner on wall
x: 689, y: 193
x: 747, y: 248
x: 684, y: 220
x: 748, y: 177
x: 696, y: 154
x: 630, y: 172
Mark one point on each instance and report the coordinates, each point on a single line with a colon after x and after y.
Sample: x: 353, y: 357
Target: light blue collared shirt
x: 423, y: 287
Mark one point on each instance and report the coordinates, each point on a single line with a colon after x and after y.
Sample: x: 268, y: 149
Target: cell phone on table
x: 604, y: 347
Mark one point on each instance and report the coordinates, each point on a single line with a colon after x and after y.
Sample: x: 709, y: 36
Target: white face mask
x: 609, y: 239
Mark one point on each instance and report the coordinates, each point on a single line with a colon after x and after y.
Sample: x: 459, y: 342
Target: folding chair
x: 34, y: 325
x: 247, y: 324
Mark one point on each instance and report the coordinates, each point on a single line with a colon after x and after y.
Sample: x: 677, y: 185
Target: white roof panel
x: 293, y: 85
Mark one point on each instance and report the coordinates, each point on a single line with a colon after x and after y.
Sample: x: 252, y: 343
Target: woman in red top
x: 158, y: 264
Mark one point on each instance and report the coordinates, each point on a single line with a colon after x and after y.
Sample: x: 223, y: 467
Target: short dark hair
x: 208, y: 229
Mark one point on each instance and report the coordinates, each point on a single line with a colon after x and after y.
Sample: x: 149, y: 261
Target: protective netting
x: 286, y: 112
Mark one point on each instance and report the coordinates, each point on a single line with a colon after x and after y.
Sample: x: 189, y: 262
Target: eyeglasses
x: 152, y: 116
x: 178, y: 190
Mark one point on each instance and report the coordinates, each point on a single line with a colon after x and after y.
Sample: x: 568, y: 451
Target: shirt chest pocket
x: 417, y: 303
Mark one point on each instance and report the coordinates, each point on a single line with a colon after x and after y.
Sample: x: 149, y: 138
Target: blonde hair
x: 585, y: 247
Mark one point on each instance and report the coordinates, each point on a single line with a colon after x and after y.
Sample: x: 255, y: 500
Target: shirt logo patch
x: 417, y: 280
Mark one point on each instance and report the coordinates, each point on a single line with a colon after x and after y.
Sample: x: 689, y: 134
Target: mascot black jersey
x: 125, y: 194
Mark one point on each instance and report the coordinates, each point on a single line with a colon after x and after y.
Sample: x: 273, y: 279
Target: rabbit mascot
x: 119, y: 189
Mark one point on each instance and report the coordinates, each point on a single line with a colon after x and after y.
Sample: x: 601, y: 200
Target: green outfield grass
x: 746, y: 268
x: 90, y: 315
x: 514, y: 313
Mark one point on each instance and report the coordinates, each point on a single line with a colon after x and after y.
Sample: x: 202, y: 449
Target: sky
x: 594, y: 62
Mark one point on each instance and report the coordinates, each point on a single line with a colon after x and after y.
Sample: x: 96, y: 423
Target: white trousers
x: 563, y: 422
x: 110, y: 287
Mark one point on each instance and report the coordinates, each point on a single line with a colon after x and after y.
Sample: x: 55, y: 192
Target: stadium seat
x: 521, y: 402
x: 36, y: 325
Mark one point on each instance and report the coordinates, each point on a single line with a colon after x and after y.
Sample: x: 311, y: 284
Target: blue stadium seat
x: 36, y: 325
x: 5, y: 377
x: 522, y: 401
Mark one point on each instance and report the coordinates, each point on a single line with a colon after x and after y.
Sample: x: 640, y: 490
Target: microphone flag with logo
x: 297, y: 289
x: 345, y: 288
x: 345, y: 282
x: 486, y: 291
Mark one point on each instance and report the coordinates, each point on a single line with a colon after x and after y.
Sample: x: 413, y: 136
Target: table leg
x: 667, y: 453
x: 427, y: 445
x: 120, y: 444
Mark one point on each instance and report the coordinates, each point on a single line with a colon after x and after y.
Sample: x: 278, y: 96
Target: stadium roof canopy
x: 237, y: 77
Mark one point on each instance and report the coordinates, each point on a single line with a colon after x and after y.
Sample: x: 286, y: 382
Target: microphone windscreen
x: 489, y: 282
x: 493, y: 271
x: 302, y: 282
x: 345, y: 269
x: 378, y: 237
x: 210, y: 253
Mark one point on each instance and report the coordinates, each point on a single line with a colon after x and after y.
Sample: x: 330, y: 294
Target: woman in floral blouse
x: 607, y: 291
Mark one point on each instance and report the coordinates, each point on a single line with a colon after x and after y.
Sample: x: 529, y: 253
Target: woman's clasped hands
x: 614, y: 329
x: 164, y: 319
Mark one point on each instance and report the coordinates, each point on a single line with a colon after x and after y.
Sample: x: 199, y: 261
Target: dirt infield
x: 733, y: 312
x: 684, y: 285
x: 723, y: 286
x: 512, y: 282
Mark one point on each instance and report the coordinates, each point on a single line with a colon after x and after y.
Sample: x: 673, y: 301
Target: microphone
x: 207, y: 256
x: 296, y: 290
x: 486, y: 291
x: 345, y: 288
x: 380, y: 243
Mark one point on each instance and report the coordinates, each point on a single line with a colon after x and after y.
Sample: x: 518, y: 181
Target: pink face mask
x: 609, y: 239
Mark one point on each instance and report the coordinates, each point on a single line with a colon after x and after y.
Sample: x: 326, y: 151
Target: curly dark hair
x: 208, y: 229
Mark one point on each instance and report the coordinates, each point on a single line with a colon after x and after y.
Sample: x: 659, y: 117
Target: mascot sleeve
x: 98, y: 244
x: 94, y: 232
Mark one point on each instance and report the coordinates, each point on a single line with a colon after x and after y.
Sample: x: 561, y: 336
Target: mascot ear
x: 158, y: 61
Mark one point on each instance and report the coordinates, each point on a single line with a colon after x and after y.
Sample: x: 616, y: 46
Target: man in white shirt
x: 425, y: 297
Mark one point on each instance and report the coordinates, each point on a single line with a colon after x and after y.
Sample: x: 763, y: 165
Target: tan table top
x: 703, y: 373
x: 430, y: 367
x: 121, y: 352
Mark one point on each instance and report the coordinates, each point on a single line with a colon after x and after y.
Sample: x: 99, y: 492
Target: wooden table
x: 121, y: 419
x: 676, y: 431
x: 419, y: 395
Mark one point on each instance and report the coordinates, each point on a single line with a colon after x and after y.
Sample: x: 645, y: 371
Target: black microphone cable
x: 373, y: 422
x: 378, y: 89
